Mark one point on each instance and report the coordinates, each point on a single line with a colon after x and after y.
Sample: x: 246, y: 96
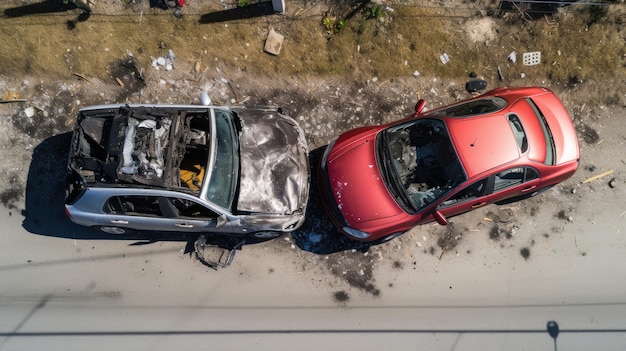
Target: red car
x: 510, y: 143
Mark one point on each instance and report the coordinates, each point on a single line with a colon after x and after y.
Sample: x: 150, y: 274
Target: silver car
x: 205, y: 169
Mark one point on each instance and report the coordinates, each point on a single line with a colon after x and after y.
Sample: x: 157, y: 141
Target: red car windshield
x: 418, y: 163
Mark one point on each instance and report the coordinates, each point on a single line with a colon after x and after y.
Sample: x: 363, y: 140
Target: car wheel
x: 265, y: 235
x: 389, y: 237
x: 114, y: 230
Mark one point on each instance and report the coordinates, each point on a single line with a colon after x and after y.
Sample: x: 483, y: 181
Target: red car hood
x: 356, y: 182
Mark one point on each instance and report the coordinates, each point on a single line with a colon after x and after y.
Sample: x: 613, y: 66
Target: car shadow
x: 318, y: 235
x: 245, y: 12
x: 44, y: 212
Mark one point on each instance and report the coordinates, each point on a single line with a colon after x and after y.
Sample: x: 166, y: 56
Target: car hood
x: 356, y: 182
x: 274, y: 163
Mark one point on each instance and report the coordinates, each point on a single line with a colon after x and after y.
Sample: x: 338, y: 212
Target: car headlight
x: 356, y: 233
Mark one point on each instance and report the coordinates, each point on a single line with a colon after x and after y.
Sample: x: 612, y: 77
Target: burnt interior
x: 164, y: 147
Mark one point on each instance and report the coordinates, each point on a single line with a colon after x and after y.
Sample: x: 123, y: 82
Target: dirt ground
x: 330, y: 79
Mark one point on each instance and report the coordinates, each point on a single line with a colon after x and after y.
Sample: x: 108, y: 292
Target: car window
x: 514, y: 176
x: 134, y: 205
x: 192, y: 209
x: 518, y: 131
x: 470, y: 192
x: 472, y: 108
x: 419, y: 163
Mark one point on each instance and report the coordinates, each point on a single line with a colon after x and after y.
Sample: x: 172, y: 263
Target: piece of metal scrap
x: 225, y: 256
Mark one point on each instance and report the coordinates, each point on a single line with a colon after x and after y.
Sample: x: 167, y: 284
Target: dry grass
x: 413, y: 39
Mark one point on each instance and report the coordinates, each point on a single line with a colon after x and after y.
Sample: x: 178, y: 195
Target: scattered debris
x: 341, y: 296
x: 475, y: 85
x: 525, y: 252
x: 444, y: 58
x: 612, y: 183
x: 274, y: 42
x: 513, y: 57
x: 224, y: 256
x: 167, y: 61
x: 531, y: 58
x: 80, y: 76
x: 598, y: 176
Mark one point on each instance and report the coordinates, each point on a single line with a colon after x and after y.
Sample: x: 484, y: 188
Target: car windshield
x: 223, y: 178
x: 472, y: 108
x: 419, y: 162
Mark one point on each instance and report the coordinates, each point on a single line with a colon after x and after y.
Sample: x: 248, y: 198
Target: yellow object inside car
x: 192, y: 177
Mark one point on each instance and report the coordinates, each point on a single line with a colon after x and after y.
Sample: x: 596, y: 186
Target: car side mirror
x: 440, y: 218
x: 419, y: 106
x: 221, y: 221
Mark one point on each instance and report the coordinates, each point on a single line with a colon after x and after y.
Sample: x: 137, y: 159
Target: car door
x: 469, y: 197
x: 514, y: 182
x: 140, y: 212
x: 192, y: 216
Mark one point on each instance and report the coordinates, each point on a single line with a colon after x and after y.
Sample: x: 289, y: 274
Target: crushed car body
x: 378, y: 182
x: 232, y: 171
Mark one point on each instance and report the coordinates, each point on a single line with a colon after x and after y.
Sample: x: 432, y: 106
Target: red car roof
x: 484, y: 142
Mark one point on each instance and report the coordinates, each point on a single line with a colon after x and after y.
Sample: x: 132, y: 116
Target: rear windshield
x: 472, y: 108
x: 518, y: 131
x: 547, y: 134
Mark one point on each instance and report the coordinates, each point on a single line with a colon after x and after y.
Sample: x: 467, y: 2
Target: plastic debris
x: 416, y: 73
x: 205, y: 99
x: 531, y: 58
x: 166, y: 60
x: 444, y: 58
x: 513, y: 57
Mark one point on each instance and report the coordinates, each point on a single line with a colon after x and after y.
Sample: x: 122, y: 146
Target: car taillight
x: 67, y: 212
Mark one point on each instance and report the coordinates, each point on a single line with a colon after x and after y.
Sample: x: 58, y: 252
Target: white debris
x: 205, y: 99
x: 513, y: 57
x: 444, y: 58
x: 416, y: 73
x: 29, y: 111
x: 531, y: 58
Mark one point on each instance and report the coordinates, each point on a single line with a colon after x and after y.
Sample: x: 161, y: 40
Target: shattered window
x: 192, y: 209
x: 225, y: 172
x: 470, y: 192
x: 419, y: 162
x: 134, y: 205
x: 514, y: 176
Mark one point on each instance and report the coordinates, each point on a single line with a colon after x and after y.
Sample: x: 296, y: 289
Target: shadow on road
x: 48, y: 6
x: 45, y: 212
x: 45, y: 196
x: 254, y: 10
x: 318, y: 235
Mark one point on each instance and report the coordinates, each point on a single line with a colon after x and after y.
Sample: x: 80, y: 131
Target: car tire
x: 114, y: 230
x: 388, y: 238
x: 265, y: 235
